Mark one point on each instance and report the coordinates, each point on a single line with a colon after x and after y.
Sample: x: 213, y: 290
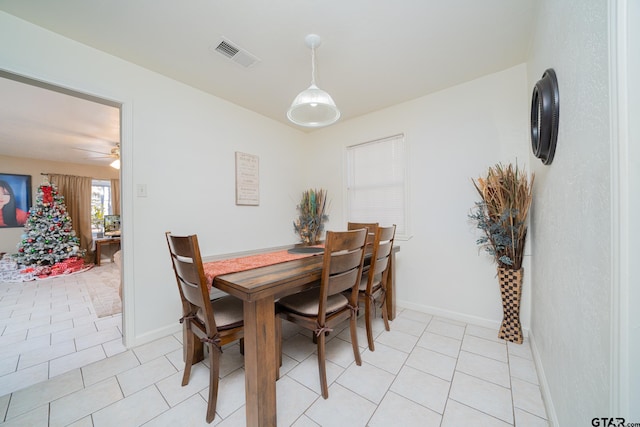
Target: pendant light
x: 313, y: 107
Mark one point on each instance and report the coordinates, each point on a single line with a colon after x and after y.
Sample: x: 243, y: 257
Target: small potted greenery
x: 501, y: 214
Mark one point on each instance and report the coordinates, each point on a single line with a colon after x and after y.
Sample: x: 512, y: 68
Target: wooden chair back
x: 372, y: 229
x: 342, y: 266
x: 382, y: 247
x: 192, y: 282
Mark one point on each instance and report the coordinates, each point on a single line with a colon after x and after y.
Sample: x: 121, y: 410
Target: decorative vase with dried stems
x: 501, y: 214
x: 312, y: 216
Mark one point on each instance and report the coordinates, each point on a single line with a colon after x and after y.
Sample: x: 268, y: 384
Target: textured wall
x: 571, y: 213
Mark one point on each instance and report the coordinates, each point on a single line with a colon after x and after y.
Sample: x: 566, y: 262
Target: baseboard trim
x: 552, y: 417
x: 454, y: 315
x: 154, y: 335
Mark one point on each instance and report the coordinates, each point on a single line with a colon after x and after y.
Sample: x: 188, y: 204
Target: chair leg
x: 353, y: 323
x: 385, y: 316
x: 242, y: 346
x: 322, y: 369
x: 367, y: 320
x: 214, y: 372
x: 278, y: 345
x: 314, y: 338
x: 189, y: 354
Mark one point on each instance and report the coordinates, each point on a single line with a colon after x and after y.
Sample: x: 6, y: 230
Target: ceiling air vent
x: 236, y: 54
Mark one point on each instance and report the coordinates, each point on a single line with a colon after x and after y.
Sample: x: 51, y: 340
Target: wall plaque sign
x: 247, y: 179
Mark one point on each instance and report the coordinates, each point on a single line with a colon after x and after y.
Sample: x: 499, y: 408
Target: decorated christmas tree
x: 49, y: 237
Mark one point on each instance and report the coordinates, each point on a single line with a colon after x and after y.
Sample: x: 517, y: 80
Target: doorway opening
x: 51, y: 129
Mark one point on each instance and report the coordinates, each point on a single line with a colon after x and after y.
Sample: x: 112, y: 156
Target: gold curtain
x: 115, y: 196
x: 77, y: 197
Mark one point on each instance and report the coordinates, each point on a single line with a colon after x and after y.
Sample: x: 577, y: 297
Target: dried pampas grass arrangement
x: 502, y: 213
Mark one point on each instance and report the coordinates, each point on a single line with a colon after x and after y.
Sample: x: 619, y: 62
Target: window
x: 100, y: 204
x: 377, y: 183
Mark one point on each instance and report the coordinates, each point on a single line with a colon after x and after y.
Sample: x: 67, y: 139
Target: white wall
x: 571, y: 222
x: 452, y: 136
x: 180, y: 142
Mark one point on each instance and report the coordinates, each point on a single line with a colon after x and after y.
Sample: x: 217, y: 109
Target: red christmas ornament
x: 47, y: 196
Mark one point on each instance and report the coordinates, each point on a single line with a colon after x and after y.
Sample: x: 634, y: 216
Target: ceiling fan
x: 113, y: 154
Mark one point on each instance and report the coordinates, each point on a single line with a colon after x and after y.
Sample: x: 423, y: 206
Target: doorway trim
x: 624, y: 61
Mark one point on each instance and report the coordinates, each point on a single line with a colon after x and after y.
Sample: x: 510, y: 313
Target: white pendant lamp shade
x: 115, y: 164
x: 313, y: 107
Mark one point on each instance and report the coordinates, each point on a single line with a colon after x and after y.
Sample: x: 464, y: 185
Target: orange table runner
x: 235, y: 265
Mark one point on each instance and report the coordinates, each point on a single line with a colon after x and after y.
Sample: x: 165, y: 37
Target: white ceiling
x: 374, y: 53
x: 41, y: 123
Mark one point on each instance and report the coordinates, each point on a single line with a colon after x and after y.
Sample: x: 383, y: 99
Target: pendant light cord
x: 313, y: 65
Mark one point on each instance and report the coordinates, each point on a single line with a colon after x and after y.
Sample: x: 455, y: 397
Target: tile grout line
x: 455, y: 369
x: 513, y: 402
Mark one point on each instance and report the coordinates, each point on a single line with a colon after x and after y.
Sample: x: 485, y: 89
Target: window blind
x: 376, y: 183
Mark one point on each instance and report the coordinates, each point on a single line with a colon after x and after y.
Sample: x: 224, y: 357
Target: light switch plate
x: 141, y: 190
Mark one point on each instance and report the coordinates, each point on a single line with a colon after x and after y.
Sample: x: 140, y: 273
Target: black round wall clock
x: 545, y: 113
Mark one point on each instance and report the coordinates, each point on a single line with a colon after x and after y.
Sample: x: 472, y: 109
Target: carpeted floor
x: 103, y: 284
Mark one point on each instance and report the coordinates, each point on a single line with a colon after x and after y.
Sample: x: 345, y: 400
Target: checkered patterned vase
x: 511, y: 291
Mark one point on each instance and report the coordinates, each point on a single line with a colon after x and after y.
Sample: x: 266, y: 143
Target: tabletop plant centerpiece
x: 501, y: 214
x: 312, y: 216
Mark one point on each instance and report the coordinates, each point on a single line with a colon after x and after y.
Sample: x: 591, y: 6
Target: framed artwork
x: 247, y: 179
x: 15, y: 199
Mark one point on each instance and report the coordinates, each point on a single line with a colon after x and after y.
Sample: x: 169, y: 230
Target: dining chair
x: 322, y: 308
x: 215, y: 323
x: 373, y: 285
x: 372, y: 228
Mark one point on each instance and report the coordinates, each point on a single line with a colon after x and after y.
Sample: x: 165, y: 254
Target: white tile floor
x: 62, y: 366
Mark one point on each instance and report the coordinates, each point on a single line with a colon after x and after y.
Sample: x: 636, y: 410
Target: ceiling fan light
x: 115, y: 164
x: 313, y: 107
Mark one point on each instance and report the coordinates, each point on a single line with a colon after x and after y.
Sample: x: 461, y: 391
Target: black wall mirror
x: 545, y: 114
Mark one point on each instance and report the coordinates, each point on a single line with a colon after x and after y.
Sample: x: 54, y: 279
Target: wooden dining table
x: 259, y: 288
